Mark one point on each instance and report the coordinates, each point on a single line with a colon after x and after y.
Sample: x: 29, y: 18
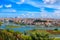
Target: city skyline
x: 30, y: 8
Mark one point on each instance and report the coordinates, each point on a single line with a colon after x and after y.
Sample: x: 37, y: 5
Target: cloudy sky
x: 30, y: 8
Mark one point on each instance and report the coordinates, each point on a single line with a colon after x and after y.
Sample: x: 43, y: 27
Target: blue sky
x: 30, y: 8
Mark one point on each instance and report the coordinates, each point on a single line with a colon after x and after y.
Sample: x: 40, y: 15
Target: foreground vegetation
x: 29, y: 35
x: 6, y: 34
x: 12, y: 26
x: 1, y: 23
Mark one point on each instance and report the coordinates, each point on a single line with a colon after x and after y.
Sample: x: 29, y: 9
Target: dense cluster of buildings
x: 32, y: 21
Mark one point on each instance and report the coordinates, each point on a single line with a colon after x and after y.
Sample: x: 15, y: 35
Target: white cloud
x: 53, y: 4
x: 56, y: 13
x: 1, y: 6
x: 22, y: 1
x: 22, y: 15
x: 30, y: 14
x: 43, y: 14
x: 8, y: 10
x: 27, y: 15
x: 8, y: 6
x: 35, y: 4
x: 49, y: 1
x: 13, y: 10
